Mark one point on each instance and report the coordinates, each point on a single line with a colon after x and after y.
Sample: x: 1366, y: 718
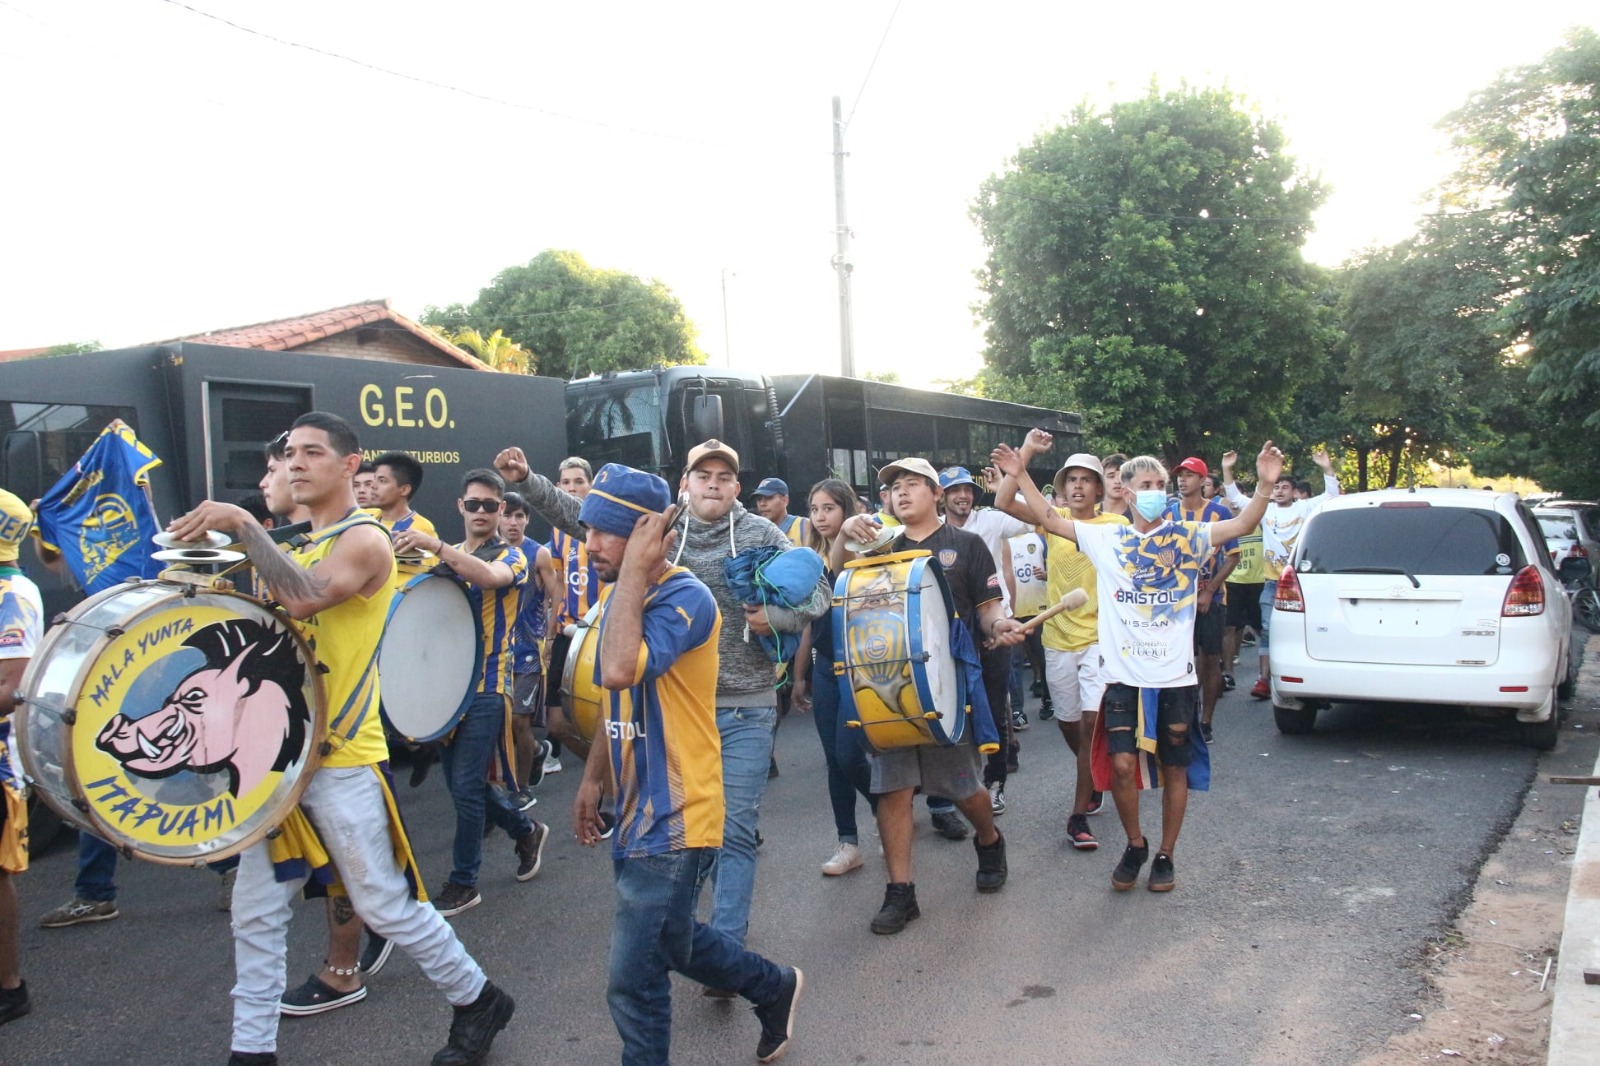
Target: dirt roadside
x: 1486, y: 972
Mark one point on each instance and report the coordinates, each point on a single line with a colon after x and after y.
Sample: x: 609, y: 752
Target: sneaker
x: 1162, y: 879
x: 899, y: 907
x: 949, y: 825
x: 1228, y: 684
x: 1078, y: 834
x: 772, y: 767
x: 14, y: 1003
x: 474, y: 1027
x: 1038, y: 689
x: 608, y: 825
x: 80, y: 910
x: 422, y: 760
x: 225, y: 890
x: 552, y: 762
x: 1019, y: 719
x: 991, y: 864
x: 1248, y: 639
x: 523, y: 798
x: 316, y: 997
x: 777, y: 1019
x: 1097, y: 803
x: 1127, y: 871
x: 1047, y: 709
x: 997, y: 797
x: 375, y: 954
x: 1261, y: 690
x: 1205, y: 731
x: 253, y: 1058
x: 723, y: 994
x: 537, y: 771
x: 453, y: 899
x: 847, y: 858
x: 530, y: 851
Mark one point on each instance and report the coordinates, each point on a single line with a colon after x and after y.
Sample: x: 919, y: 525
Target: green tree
x: 1144, y: 268
x: 496, y: 351
x: 1530, y: 146
x: 577, y: 319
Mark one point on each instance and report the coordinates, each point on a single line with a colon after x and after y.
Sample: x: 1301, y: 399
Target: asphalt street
x: 1310, y: 880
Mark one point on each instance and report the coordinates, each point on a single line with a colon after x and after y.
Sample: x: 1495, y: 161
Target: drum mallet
x: 1070, y: 602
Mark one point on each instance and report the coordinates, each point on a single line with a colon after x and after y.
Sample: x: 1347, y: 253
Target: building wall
x: 380, y: 340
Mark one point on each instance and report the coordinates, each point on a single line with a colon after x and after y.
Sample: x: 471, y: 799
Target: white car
x: 1442, y: 596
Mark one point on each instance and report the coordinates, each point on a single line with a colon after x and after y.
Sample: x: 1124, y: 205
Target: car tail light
x: 1525, y: 596
x: 1579, y: 551
x: 1289, y: 598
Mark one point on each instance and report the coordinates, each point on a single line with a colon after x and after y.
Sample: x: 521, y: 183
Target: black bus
x: 801, y: 427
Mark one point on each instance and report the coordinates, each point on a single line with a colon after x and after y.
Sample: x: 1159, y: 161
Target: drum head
x: 938, y: 677
x: 431, y: 658
x: 581, y: 698
x: 180, y: 727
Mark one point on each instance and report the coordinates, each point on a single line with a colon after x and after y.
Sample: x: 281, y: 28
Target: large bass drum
x: 581, y: 699
x: 899, y: 682
x: 431, y: 658
x: 180, y: 724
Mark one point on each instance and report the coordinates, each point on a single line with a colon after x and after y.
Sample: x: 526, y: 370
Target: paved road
x: 1310, y: 880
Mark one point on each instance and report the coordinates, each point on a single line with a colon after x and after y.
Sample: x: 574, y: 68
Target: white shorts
x: 1075, y: 682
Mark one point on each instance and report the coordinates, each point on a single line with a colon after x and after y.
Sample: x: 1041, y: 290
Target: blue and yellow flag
x: 98, y: 516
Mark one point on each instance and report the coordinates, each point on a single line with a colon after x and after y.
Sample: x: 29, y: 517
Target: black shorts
x: 1119, y: 711
x: 1208, y: 626
x: 558, y: 665
x: 1244, y: 606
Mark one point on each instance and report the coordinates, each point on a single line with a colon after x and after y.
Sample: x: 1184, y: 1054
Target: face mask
x: 1150, y: 503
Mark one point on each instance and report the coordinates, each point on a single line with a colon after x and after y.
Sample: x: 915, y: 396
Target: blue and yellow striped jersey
x: 665, y: 749
x: 577, y: 572
x: 496, y: 610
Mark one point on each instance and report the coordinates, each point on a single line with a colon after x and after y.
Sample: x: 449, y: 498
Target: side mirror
x: 704, y: 414
x: 1574, y: 568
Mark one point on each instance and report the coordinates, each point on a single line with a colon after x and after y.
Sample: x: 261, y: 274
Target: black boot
x: 474, y: 1028
x: 991, y: 864
x: 899, y: 907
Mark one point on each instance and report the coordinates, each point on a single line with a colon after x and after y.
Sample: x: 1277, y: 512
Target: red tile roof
x: 21, y: 353
x: 285, y: 334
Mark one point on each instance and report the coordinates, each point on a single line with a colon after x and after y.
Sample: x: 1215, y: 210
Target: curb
x: 1575, y: 1006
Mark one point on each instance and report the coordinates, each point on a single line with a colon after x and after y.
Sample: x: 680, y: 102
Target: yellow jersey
x: 1067, y: 568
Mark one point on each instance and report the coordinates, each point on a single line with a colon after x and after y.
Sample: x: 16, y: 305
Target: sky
x: 169, y: 173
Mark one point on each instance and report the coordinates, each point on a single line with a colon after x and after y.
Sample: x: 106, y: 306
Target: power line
x: 472, y: 93
x: 872, y: 65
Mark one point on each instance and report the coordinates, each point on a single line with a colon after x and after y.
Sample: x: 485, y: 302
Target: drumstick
x: 1070, y: 602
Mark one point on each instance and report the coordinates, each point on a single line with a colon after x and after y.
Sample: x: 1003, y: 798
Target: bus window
x: 43, y: 440
x: 617, y: 425
x: 241, y: 419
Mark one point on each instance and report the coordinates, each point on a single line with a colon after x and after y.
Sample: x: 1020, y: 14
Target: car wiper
x: 1379, y: 570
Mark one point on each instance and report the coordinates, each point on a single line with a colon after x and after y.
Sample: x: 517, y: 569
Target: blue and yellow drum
x: 898, y: 678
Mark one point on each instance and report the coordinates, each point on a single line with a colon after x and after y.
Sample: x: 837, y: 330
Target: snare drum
x: 179, y: 723
x: 581, y: 698
x: 431, y: 658
x: 899, y: 682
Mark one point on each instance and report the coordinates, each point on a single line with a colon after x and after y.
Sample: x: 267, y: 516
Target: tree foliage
x: 1144, y: 268
x: 1530, y: 146
x: 496, y: 351
x: 577, y: 319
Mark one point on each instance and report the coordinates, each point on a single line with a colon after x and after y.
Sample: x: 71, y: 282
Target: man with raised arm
x: 1148, y: 588
x: 336, y: 586
x: 1280, y: 531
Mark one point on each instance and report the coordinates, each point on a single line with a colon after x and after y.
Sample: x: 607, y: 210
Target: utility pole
x: 727, y: 339
x: 842, y: 263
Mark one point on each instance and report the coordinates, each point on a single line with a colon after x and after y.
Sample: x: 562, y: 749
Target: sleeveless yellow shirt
x: 344, y: 638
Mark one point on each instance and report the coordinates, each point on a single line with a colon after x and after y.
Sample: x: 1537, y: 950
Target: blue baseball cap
x: 619, y: 495
x: 951, y: 476
x: 772, y: 486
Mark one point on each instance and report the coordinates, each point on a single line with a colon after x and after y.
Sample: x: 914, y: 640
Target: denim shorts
x: 1174, y: 707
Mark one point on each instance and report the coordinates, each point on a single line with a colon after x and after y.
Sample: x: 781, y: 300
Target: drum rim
x: 919, y: 670
x: 316, y: 732
x: 569, y: 700
x: 477, y: 656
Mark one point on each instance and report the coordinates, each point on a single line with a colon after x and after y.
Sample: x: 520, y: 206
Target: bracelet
x: 341, y: 971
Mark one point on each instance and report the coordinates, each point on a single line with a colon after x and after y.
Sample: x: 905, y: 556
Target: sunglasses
x: 473, y: 506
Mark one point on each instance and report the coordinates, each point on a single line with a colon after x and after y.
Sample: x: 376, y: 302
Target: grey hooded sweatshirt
x: 745, y: 675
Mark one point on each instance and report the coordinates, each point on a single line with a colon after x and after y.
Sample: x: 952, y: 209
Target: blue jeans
x: 746, y: 756
x: 465, y: 760
x: 1269, y: 593
x: 848, y: 772
x: 654, y: 933
x: 97, y: 864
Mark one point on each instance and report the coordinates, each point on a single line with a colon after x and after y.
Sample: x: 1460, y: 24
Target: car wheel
x: 1541, y: 736
x: 1569, y: 681
x: 1294, y: 720
x: 1586, y: 605
x: 44, y: 825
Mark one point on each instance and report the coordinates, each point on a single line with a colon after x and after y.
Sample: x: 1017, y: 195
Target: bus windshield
x: 616, y: 424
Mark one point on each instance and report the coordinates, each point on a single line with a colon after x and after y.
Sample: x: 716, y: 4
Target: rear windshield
x: 1410, y: 540
x: 1563, y: 526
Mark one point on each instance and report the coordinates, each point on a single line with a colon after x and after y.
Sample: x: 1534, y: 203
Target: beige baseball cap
x: 920, y: 467
x: 711, y: 449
